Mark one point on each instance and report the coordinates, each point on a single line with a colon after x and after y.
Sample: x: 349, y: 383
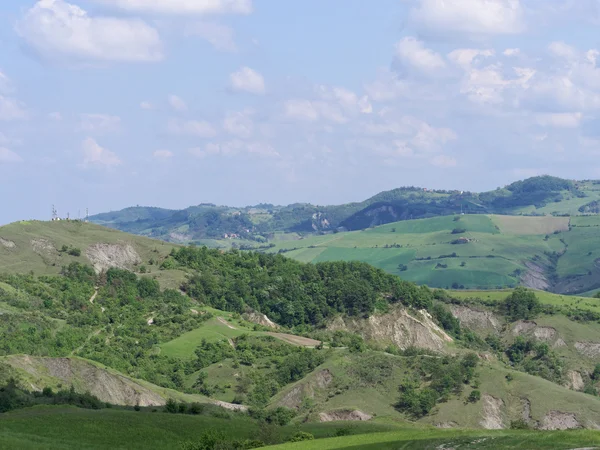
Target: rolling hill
x: 330, y: 349
x: 205, y: 223
x: 558, y: 254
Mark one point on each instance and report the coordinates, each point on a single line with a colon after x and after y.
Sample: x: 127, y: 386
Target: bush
x: 75, y: 251
x: 301, y: 436
x: 474, y: 396
x: 519, y: 424
x: 171, y: 406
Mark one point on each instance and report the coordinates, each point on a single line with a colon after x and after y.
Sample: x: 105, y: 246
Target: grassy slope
x: 437, y: 439
x: 546, y: 298
x: 22, y: 258
x: 510, y: 242
x: 72, y: 428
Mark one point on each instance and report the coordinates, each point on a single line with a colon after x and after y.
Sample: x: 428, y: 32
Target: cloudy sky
x: 112, y: 103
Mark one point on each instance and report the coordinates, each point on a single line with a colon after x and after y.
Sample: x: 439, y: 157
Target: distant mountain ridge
x: 542, y: 195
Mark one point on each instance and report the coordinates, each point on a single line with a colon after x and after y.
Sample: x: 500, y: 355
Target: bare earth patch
x: 344, y: 414
x: 105, y: 256
x: 108, y: 387
x: 492, y: 412
x: 556, y: 420
x: 523, y: 327
x: 474, y: 318
x: 7, y: 243
x: 398, y: 327
x: 574, y: 381
x: 227, y: 324
x: 296, y: 340
x: 260, y: 319
x: 589, y: 349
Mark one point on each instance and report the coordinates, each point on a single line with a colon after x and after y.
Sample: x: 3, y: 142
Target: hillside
x: 292, y: 346
x: 206, y: 223
x: 557, y: 254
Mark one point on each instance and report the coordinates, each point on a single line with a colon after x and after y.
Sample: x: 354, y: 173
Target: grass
x: 496, y: 252
x: 22, y: 258
x: 547, y: 298
x: 464, y: 439
x: 72, y: 428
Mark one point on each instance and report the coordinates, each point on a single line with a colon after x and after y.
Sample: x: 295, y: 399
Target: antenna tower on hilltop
x: 54, y: 214
x: 87, y: 215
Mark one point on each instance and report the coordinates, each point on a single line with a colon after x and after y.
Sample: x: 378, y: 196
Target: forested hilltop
x: 207, y: 222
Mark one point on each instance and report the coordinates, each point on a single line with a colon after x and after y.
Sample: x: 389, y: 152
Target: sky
x: 106, y: 104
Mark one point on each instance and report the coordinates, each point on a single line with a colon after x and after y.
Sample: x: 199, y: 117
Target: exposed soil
x: 227, y: 324
x: 45, y: 249
x: 589, y: 349
x: 344, y: 414
x: 229, y: 406
x: 260, y: 319
x: 105, y: 256
x: 7, y: 243
x: 296, y: 340
x: 526, y: 413
x: 535, y: 277
x: 492, y: 412
x: 294, y: 398
x: 545, y: 333
x: 475, y: 319
x: 397, y: 327
x: 523, y: 327
x: 556, y: 420
x: 574, y: 381
x: 108, y: 387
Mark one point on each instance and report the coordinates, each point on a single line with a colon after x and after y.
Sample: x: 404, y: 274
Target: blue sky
x: 111, y: 103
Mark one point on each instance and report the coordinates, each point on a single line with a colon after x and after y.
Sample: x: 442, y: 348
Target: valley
x: 278, y: 346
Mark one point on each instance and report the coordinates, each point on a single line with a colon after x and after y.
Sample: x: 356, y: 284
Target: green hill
x: 206, y: 223
x: 557, y: 254
x: 331, y: 349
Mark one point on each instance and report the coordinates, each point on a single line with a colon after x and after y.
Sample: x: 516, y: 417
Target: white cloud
x: 470, y: 16
x: 199, y: 128
x: 443, y: 161
x: 177, y: 103
x: 413, y: 53
x: 60, y: 31
x: 8, y: 156
x: 219, y: 36
x: 11, y: 109
x: 247, y: 80
x: 310, y: 111
x: 465, y: 57
x: 562, y: 50
x: 239, y: 123
x: 234, y: 147
x: 511, y: 52
x: 146, y: 106
x: 183, y: 6
x: 163, y: 154
x: 55, y: 116
x: 95, y: 155
x: 387, y: 87
x: 100, y: 123
x: 560, y: 120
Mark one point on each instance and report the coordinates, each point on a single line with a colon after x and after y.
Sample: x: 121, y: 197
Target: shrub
x: 301, y: 436
x: 474, y: 396
x: 522, y: 304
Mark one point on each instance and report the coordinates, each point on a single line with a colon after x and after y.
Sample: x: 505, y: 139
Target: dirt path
x: 296, y: 340
x: 93, y: 297
x: 227, y: 324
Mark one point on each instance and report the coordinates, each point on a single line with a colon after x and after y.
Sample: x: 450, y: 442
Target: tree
x: 474, y: 396
x: 522, y: 304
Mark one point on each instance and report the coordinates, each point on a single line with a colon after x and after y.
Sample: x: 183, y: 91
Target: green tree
x: 521, y: 304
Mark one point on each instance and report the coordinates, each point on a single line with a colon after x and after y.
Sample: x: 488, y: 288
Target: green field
x: 493, y: 253
x: 73, y: 428
x: 439, y: 439
x: 547, y: 298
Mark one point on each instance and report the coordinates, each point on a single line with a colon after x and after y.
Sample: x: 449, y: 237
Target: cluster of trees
x: 436, y: 380
x: 289, y: 292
